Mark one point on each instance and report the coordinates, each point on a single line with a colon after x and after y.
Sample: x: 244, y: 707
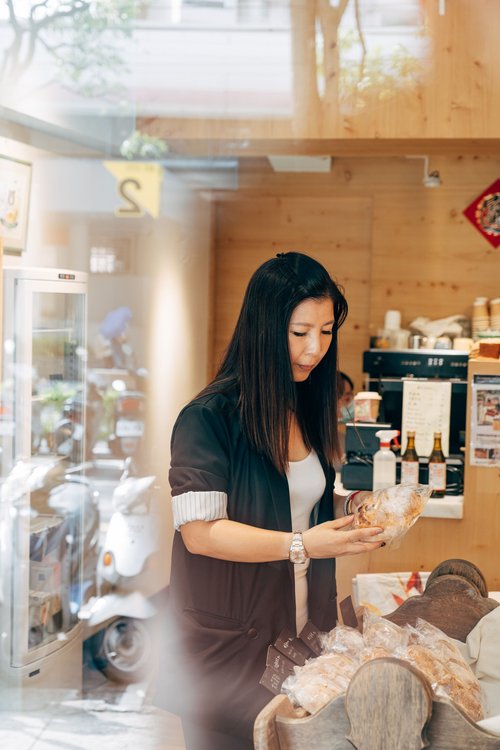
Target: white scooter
x: 119, y: 618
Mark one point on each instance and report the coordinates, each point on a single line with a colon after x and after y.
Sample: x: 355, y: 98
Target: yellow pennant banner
x: 139, y: 184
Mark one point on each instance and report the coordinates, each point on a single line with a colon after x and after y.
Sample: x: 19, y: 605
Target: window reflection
x: 192, y: 58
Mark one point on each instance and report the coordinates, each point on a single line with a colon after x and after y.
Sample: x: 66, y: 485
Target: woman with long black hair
x: 258, y: 524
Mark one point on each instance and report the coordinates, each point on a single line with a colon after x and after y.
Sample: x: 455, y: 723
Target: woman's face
x: 309, y: 335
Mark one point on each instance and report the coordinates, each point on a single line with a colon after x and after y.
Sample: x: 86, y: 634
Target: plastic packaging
x: 384, y: 461
x: 394, y: 509
x: 424, y: 646
x: 320, y: 680
x: 431, y: 651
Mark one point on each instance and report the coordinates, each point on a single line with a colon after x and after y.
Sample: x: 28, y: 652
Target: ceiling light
x: 300, y: 163
x: 430, y: 179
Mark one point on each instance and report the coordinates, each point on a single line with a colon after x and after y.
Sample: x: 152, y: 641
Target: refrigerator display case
x: 42, y: 429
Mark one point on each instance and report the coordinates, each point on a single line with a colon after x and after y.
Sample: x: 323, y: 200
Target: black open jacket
x: 227, y: 613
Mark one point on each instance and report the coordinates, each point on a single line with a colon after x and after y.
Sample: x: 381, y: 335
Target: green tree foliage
x: 84, y: 39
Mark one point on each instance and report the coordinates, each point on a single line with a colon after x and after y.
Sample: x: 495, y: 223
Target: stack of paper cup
x: 480, y: 316
x: 392, y: 320
x: 495, y: 314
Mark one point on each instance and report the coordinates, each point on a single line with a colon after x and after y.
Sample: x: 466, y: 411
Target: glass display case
x: 42, y: 434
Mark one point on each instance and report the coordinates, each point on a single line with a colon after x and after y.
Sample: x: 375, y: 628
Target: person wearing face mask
x: 346, y: 398
x: 345, y: 413
x: 258, y: 526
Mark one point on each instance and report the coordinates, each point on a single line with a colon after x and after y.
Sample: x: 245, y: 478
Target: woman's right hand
x: 337, y: 538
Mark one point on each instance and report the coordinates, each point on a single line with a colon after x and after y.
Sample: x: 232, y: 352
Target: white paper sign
x: 485, y: 421
x: 426, y: 409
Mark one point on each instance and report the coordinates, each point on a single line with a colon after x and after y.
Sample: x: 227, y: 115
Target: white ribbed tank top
x: 306, y: 484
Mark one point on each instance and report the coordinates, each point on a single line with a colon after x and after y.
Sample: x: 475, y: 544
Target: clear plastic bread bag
x: 394, y: 509
x: 342, y: 640
x: 320, y: 680
x: 450, y: 675
x: 382, y: 638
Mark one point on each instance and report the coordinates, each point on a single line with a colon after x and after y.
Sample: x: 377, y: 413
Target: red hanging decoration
x: 484, y: 213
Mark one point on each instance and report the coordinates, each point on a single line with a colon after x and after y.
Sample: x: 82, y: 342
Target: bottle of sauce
x: 437, y: 468
x: 409, y: 461
x: 384, y: 461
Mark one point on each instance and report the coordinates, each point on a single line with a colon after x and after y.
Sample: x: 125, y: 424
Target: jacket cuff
x: 198, y: 506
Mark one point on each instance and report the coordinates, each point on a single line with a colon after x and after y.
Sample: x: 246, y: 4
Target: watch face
x: 297, y: 551
x: 297, y: 555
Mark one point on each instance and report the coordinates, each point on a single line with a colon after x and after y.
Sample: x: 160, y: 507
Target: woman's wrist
x: 287, y: 542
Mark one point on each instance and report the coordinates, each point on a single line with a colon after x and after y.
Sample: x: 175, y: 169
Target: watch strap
x: 297, y: 553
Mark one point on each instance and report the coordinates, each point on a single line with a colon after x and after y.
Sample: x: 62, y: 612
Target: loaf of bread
x: 449, y: 675
x: 320, y: 680
x: 394, y: 509
x: 424, y: 646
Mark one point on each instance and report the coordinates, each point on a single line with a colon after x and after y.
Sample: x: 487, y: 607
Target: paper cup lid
x: 367, y: 395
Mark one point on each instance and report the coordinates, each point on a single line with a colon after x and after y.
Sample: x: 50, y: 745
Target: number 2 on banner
x: 132, y: 208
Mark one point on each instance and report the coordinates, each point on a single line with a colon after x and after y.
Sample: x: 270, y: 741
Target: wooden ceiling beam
x: 240, y: 146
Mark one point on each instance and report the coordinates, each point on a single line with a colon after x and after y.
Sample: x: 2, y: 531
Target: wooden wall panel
x: 252, y: 230
x: 392, y: 243
x: 455, y: 94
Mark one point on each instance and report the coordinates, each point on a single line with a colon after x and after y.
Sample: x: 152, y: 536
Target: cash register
x: 386, y: 372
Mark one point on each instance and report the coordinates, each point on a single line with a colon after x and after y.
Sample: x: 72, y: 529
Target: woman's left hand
x: 337, y: 538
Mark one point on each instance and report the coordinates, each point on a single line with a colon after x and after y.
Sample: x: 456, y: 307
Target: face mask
x: 347, y: 413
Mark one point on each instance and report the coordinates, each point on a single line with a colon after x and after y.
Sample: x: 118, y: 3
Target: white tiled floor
x: 108, y: 716
x: 90, y: 725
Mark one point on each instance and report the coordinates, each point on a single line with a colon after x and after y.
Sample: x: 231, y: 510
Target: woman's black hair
x: 257, y: 360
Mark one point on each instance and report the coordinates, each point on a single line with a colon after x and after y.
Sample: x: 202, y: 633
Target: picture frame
x: 15, y: 188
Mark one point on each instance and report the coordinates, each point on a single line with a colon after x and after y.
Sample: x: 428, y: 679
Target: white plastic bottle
x: 384, y: 461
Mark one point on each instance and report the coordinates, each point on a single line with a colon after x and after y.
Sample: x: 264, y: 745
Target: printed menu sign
x: 485, y: 421
x: 426, y: 409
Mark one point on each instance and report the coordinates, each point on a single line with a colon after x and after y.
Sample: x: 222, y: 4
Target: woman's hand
x: 337, y: 538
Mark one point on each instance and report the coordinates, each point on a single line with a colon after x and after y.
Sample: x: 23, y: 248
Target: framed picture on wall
x: 15, y: 186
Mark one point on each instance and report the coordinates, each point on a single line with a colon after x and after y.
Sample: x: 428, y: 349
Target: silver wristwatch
x: 297, y: 552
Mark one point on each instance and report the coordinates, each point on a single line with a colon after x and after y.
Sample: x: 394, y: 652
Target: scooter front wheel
x: 123, y: 651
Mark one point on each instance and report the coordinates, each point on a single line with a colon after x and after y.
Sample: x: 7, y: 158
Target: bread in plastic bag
x: 440, y: 659
x: 394, y: 509
x: 378, y: 632
x: 424, y: 646
x: 320, y: 680
x: 429, y: 650
x: 342, y: 639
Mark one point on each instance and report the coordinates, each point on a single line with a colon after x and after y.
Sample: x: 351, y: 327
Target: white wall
x: 179, y: 264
